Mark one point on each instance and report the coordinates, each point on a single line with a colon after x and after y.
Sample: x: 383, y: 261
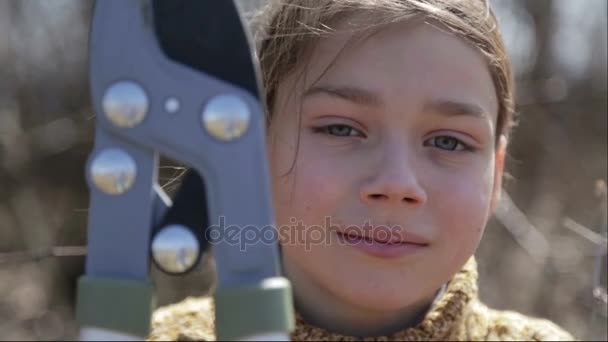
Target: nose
x: 394, y: 181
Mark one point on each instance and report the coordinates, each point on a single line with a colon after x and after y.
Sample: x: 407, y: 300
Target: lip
x: 382, y: 235
x: 396, y: 247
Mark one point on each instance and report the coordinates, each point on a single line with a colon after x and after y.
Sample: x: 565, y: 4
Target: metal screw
x: 175, y: 249
x: 113, y: 171
x: 172, y: 105
x: 125, y: 103
x: 226, y: 117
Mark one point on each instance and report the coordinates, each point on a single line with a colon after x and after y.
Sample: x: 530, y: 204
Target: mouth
x: 381, y: 247
x: 386, y: 239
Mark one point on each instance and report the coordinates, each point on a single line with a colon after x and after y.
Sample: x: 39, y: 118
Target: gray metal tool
x: 177, y: 78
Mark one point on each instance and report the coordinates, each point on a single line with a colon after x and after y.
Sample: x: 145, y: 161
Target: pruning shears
x: 177, y: 78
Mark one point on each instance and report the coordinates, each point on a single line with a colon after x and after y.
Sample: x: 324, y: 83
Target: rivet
x: 125, y: 104
x: 175, y: 249
x: 226, y: 117
x: 113, y: 171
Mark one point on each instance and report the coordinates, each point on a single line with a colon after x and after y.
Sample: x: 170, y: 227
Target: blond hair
x: 286, y: 31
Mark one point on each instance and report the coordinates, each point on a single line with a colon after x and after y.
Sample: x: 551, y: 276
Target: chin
x: 382, y: 296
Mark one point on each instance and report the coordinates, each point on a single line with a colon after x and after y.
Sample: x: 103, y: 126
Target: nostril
x: 385, y: 197
x: 377, y: 196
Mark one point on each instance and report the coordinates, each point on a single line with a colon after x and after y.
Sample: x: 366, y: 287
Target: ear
x: 499, y: 165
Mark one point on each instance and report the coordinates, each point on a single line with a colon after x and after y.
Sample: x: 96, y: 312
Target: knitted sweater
x: 458, y: 315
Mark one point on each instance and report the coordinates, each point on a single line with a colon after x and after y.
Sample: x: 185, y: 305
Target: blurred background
x: 544, y: 253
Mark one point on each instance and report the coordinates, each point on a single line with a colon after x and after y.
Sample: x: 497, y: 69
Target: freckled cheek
x: 320, y: 188
x: 312, y: 190
x: 462, y: 204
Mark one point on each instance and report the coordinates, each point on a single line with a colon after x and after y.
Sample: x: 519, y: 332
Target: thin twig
x: 585, y: 232
x: 524, y: 232
x: 12, y: 258
x: 600, y: 301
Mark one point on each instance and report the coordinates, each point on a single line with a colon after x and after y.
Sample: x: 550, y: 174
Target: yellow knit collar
x: 441, y: 319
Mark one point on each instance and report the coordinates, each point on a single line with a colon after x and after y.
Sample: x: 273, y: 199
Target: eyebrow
x: 368, y: 98
x: 352, y: 94
x: 455, y: 108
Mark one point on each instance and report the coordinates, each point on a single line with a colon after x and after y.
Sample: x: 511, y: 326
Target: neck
x: 351, y: 321
x: 322, y: 309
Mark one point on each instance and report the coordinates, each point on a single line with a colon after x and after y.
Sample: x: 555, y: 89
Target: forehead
x: 410, y: 61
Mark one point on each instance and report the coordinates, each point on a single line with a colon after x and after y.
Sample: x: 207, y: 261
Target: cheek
x: 313, y: 188
x: 461, y: 204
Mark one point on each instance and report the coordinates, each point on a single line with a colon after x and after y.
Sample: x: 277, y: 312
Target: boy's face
x: 398, y: 133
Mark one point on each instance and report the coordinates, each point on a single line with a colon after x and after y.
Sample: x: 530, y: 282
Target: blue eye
x: 448, y: 143
x: 338, y: 130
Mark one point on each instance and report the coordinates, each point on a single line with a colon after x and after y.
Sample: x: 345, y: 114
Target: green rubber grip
x: 254, y: 309
x: 121, y: 305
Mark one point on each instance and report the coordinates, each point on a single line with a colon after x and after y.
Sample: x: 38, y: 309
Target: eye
x: 448, y: 143
x: 339, y: 130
